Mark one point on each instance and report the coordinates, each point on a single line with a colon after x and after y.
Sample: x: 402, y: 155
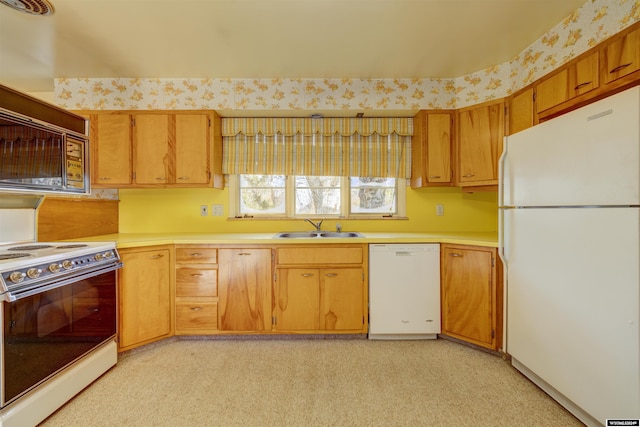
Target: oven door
x: 45, y: 332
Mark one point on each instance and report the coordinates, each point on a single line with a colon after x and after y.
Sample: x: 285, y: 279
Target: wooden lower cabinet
x: 321, y: 289
x: 145, y: 293
x: 244, y: 289
x: 196, y: 290
x: 471, y: 292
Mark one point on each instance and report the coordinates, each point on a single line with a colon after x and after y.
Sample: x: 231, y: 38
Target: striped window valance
x: 327, y: 126
x: 277, y: 151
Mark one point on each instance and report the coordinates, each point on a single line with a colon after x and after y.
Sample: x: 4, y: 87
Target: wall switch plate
x: 440, y: 210
x: 217, y: 210
x: 204, y: 210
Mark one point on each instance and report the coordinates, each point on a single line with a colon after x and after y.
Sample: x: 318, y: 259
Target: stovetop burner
x: 29, y: 247
x: 12, y: 256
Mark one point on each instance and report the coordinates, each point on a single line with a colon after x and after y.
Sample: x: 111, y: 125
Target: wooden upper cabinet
x: 431, y: 149
x: 149, y: 149
x: 621, y: 57
x: 110, y: 150
x: 521, y: 111
x: 192, y: 149
x: 480, y: 140
x: 152, y: 159
x: 574, y: 79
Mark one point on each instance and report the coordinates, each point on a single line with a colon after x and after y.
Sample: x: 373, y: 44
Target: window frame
x: 345, y: 201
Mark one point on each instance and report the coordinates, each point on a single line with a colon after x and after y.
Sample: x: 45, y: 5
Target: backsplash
x: 595, y: 21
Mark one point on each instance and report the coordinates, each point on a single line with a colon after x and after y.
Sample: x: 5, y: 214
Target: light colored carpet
x: 311, y: 383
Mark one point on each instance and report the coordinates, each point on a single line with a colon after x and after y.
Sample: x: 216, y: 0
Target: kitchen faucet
x: 316, y: 225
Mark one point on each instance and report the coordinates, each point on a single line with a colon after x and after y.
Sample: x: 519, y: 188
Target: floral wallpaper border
x: 595, y: 21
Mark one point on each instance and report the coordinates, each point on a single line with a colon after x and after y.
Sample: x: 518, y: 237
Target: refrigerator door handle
x: 501, y: 166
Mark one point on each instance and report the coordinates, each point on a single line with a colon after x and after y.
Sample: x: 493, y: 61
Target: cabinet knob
x: 581, y: 85
x: 620, y: 67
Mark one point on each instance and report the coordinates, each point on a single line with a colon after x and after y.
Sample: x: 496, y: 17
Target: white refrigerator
x: 570, y: 242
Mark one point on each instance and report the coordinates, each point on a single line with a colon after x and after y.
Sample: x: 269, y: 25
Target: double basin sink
x: 317, y: 234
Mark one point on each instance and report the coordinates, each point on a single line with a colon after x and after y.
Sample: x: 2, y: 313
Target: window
x: 316, y: 196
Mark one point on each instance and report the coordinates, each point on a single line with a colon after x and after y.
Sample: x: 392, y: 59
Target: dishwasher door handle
x: 404, y: 253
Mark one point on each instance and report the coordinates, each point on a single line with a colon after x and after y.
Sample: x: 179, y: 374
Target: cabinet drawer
x: 196, y: 317
x: 320, y: 255
x: 196, y: 256
x: 196, y: 282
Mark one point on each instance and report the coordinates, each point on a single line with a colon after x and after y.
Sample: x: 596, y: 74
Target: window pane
x: 373, y: 195
x: 263, y: 194
x: 317, y: 195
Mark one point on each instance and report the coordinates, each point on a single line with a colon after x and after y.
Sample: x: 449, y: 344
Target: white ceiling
x: 268, y: 38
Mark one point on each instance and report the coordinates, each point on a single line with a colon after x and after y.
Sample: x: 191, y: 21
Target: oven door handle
x: 11, y: 296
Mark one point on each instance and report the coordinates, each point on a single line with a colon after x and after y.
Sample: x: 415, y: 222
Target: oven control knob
x: 17, y: 277
x: 55, y: 268
x: 34, y: 273
x: 67, y: 265
x: 108, y: 254
x: 99, y: 257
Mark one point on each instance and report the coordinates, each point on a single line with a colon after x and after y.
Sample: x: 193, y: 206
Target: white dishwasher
x: 404, y: 291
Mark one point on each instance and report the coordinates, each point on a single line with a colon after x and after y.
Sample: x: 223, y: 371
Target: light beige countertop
x: 131, y: 240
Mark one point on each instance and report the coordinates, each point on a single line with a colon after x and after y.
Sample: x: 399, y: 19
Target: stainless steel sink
x: 317, y: 234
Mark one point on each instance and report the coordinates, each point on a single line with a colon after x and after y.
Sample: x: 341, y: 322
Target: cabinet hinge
x: 209, y: 122
x: 133, y: 121
x: 493, y: 262
x: 534, y: 95
x: 493, y: 334
x: 275, y: 277
x: 274, y: 320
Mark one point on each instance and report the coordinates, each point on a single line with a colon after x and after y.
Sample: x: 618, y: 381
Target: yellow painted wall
x: 178, y: 210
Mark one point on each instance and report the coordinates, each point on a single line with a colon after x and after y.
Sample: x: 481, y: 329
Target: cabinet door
x: 151, y: 149
x: 552, y: 91
x: 467, y: 294
x: 481, y: 130
x: 438, y: 148
x: 111, y: 150
x: 431, y: 150
x: 192, y: 148
x: 622, y: 57
x: 244, y: 289
x: 521, y: 111
x: 584, y: 75
x: 341, y: 296
x: 145, y: 296
x: 298, y: 299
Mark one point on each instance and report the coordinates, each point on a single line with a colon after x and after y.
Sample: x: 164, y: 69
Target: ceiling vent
x: 33, y: 7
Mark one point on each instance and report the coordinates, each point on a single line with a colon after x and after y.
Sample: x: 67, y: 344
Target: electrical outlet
x: 217, y: 210
x: 440, y: 210
x: 204, y: 210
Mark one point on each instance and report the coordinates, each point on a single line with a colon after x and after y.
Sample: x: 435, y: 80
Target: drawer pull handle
x: 581, y: 85
x: 196, y: 308
x: 196, y: 275
x: 620, y: 67
x: 455, y: 255
x: 160, y: 178
x: 104, y: 178
x: 331, y: 274
x: 156, y: 256
x: 469, y: 175
x: 244, y: 253
x: 307, y: 275
x: 183, y: 178
x: 434, y: 177
x: 195, y: 254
